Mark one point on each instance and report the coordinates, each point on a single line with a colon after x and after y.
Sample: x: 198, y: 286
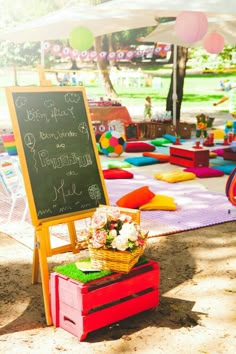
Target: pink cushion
x: 204, y: 172
x: 219, y: 152
x: 117, y: 173
x: 138, y: 146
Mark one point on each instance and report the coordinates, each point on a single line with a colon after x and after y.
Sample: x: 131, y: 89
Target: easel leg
x: 42, y: 236
x: 35, y: 270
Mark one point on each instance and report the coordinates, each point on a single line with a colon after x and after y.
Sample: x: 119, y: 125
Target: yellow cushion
x: 212, y: 154
x: 175, y: 176
x: 160, y: 202
x: 218, y: 133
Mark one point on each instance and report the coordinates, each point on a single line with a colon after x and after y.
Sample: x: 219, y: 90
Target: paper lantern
x: 214, y: 43
x: 81, y: 38
x: 191, y: 26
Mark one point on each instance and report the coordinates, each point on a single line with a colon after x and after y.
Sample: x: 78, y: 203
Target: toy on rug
x: 148, y: 108
x: 112, y: 143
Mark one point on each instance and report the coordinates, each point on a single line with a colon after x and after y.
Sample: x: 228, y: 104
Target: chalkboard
x: 132, y: 131
x: 57, y: 151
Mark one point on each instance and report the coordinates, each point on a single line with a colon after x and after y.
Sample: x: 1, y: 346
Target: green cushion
x: 160, y: 142
x: 115, y: 164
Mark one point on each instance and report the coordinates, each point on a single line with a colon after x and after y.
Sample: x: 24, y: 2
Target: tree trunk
x: 103, y: 68
x: 182, y: 57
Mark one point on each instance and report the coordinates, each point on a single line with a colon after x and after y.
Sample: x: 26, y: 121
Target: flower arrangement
x: 113, y: 230
x: 202, y: 124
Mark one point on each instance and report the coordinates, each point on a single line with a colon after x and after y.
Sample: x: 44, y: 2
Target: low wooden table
x: 189, y: 157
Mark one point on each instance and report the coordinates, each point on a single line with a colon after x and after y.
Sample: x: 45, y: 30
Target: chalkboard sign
x: 132, y: 131
x: 57, y: 151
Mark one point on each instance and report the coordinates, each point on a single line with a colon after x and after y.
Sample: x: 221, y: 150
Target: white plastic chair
x: 12, y: 187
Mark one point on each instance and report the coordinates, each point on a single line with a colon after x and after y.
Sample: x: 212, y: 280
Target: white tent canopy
x: 114, y: 16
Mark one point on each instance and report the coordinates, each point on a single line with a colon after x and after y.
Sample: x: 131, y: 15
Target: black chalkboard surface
x: 57, y: 151
x: 131, y: 131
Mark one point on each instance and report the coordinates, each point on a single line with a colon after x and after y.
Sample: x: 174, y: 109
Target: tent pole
x: 174, y: 95
x: 42, y: 53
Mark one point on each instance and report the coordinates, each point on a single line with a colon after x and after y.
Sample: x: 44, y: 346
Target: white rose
x: 120, y: 243
x: 129, y: 230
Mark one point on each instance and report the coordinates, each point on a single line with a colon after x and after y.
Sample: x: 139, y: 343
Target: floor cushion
x: 136, y: 198
x: 219, y: 152
x: 227, y: 169
x: 141, y: 160
x: 117, y: 173
x: 160, y: 142
x: 218, y: 133
x: 212, y: 155
x: 159, y: 202
x: 158, y: 156
x: 174, y: 176
x: 204, y: 172
x: 115, y: 164
x: 171, y: 138
x: 138, y: 146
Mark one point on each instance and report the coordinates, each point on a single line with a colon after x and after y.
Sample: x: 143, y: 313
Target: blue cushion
x: 172, y: 138
x: 141, y: 160
x: 227, y: 169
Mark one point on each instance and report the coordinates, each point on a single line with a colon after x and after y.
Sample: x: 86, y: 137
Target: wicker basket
x: 116, y: 261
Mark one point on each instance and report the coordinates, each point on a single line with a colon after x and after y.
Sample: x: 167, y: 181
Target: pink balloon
x: 214, y: 43
x: 191, y: 26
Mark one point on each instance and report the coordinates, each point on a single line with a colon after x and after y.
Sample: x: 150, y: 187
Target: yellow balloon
x: 81, y: 38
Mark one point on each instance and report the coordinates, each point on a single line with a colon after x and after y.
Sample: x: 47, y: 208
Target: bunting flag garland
x: 68, y: 52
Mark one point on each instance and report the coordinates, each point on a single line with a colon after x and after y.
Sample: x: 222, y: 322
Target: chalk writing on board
x: 60, y: 190
x: 59, y: 151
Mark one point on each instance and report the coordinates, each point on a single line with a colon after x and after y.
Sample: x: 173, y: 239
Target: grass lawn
x: 201, y: 90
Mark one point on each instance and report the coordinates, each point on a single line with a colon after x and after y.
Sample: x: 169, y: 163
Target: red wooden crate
x: 189, y: 157
x: 82, y: 308
x: 229, y: 154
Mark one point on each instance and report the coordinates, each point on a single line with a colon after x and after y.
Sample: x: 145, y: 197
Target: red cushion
x: 204, y: 172
x: 116, y: 173
x: 138, y: 146
x: 136, y: 198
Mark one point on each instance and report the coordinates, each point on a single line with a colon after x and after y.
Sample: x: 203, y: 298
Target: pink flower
x: 99, y: 238
x: 99, y: 220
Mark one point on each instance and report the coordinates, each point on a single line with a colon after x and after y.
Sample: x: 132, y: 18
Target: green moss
x: 70, y: 270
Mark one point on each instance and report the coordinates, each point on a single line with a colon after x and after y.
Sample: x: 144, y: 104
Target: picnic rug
x: 196, y: 208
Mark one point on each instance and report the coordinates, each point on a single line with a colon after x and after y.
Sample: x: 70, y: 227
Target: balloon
x: 81, y: 38
x: 214, y: 43
x: 191, y: 26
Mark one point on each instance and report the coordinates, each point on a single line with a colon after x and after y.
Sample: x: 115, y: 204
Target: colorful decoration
x: 191, y: 26
x: 9, y: 143
x: 201, y: 129
x: 161, y: 50
x: 81, y: 38
x: 112, y: 143
x: 110, y: 229
x: 214, y: 43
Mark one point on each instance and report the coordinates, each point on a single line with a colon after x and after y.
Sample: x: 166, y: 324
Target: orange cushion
x: 136, y: 198
x: 156, y: 155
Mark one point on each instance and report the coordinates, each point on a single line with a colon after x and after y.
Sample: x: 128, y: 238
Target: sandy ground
x: 196, y: 313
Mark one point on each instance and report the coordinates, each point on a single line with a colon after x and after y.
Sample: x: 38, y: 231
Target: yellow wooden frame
x: 42, y: 242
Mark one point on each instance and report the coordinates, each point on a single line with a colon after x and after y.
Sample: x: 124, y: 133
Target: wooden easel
x: 72, y: 179
x: 43, y: 250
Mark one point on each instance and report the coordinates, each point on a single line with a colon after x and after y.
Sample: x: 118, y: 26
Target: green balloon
x: 81, y: 38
